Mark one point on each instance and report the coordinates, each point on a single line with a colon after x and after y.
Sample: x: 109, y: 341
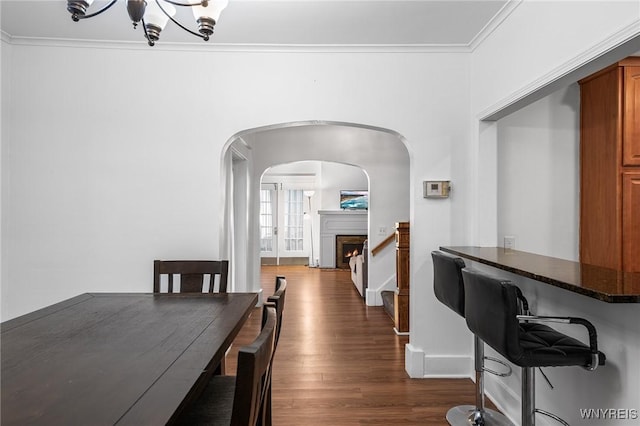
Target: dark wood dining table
x: 106, y: 359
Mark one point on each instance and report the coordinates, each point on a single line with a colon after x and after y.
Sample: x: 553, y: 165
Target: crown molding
x: 494, y: 23
x: 620, y: 44
x: 5, y: 37
x: 485, y: 32
x: 217, y: 47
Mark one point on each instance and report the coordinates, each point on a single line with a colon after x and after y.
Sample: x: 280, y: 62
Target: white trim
x: 448, y: 366
x: 371, y: 298
x: 232, y: 47
x: 494, y: 23
x: 413, y: 361
x: 507, y: 402
x: 340, y: 222
x: 533, y: 90
x: 469, y: 47
x: 420, y: 365
x: 374, y: 297
x: 6, y: 37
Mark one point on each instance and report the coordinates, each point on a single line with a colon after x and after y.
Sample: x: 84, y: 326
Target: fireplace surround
x: 339, y: 222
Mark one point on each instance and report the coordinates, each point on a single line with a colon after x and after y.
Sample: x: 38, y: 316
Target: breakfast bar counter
x: 603, y: 284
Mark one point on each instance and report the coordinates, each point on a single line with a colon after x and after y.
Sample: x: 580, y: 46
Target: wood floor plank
x: 339, y: 361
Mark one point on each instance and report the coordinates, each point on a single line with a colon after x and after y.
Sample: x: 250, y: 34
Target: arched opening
x: 292, y: 197
x: 380, y: 152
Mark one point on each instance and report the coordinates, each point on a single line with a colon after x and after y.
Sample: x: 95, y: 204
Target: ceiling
x: 280, y: 23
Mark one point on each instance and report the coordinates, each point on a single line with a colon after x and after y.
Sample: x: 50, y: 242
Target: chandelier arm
x: 146, y: 34
x: 178, y: 23
x: 176, y: 3
x: 91, y: 15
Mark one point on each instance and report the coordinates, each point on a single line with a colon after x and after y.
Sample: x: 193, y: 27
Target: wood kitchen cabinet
x: 631, y: 219
x: 631, y: 116
x: 610, y: 167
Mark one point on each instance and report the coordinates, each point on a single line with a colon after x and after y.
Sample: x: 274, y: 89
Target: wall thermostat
x: 436, y: 188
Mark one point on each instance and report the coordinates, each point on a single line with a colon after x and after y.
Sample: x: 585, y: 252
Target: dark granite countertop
x: 604, y: 284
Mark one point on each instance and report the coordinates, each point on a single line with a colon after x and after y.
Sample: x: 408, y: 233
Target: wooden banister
x: 383, y: 244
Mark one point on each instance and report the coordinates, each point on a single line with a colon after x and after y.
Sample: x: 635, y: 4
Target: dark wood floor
x: 340, y: 363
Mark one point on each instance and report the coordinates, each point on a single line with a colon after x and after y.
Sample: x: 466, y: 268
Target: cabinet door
x: 600, y: 204
x: 631, y: 221
x: 631, y: 130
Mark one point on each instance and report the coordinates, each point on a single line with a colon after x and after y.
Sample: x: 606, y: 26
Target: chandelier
x: 154, y: 15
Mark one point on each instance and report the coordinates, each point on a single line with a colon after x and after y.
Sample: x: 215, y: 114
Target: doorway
x: 283, y: 234
x: 291, y: 197
x: 381, y: 152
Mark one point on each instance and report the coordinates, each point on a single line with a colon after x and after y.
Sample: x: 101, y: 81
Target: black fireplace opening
x: 346, y: 247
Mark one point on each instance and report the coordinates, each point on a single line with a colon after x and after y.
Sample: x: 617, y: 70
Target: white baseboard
x: 413, y: 361
x: 373, y: 294
x: 448, y: 366
x: 373, y: 298
x: 420, y: 365
x: 400, y: 333
x: 507, y: 401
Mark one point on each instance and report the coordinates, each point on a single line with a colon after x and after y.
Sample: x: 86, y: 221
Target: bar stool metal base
x: 469, y: 415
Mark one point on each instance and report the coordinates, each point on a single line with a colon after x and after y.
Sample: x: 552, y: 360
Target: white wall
x: 122, y: 166
x: 333, y: 178
x: 541, y: 41
x: 5, y: 97
x: 336, y: 177
x: 539, y: 175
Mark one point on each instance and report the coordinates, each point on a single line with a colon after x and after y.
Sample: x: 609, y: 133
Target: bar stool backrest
x: 491, y: 310
x: 447, y: 281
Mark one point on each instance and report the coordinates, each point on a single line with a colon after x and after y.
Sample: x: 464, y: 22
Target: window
x: 293, y: 220
x: 266, y: 220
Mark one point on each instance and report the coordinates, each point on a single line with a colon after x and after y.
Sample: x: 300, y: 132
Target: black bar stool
x: 449, y: 289
x: 492, y: 313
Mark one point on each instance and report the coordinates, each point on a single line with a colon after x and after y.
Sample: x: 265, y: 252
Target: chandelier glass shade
x: 155, y: 14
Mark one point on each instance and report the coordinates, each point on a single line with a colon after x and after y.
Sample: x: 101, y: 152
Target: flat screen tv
x: 354, y: 200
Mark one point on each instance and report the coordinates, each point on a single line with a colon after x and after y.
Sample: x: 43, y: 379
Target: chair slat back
x: 192, y: 274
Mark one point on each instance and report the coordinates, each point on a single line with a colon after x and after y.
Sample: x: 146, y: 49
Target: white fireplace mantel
x: 339, y: 222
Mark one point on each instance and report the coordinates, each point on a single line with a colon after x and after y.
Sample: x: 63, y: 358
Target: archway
x: 293, y: 196
x: 381, y: 152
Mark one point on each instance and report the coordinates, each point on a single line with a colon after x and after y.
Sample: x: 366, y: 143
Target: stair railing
x: 391, y: 238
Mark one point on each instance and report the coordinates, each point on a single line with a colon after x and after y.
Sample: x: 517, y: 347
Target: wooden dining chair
x: 192, y: 275
x: 238, y: 400
x: 277, y: 299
